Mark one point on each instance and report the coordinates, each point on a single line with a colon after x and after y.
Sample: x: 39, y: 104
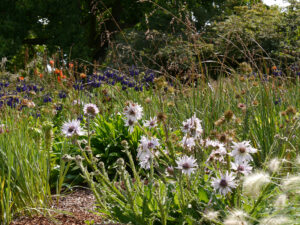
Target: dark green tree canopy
x: 84, y: 27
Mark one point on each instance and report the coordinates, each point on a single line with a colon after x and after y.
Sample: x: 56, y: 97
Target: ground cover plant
x: 191, y: 121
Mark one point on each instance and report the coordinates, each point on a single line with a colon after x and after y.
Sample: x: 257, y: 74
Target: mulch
x: 71, y: 209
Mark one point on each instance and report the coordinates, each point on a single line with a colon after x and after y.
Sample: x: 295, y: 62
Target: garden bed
x: 74, y: 208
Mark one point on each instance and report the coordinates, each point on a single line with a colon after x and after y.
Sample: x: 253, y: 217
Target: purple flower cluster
x: 134, y: 79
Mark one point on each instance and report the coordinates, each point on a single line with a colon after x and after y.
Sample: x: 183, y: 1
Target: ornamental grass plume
x: 276, y: 220
x: 211, y: 215
x: 281, y: 201
x: 291, y: 183
x: 274, y: 165
x: 236, y: 217
x: 253, y: 183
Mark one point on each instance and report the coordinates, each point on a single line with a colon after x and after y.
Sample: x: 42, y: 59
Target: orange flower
x: 63, y: 77
x: 21, y: 78
x: 58, y: 79
x: 71, y: 65
x: 41, y: 75
x: 51, y: 63
x: 57, y: 71
x: 274, y: 68
x: 82, y: 75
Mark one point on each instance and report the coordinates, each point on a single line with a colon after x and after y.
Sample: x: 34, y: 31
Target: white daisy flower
x: 151, y: 123
x: 130, y: 124
x: 90, y: 109
x: 225, y: 183
x: 216, y: 155
x: 241, y: 167
x: 219, y: 151
x: 192, y: 127
x: 188, y: 142
x: 242, y: 150
x: 146, y: 147
x: 216, y: 145
x: 147, y: 143
x: 145, y: 163
x: 186, y: 164
x: 133, y: 111
x: 72, y: 128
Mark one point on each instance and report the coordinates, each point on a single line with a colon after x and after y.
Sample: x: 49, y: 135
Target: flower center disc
x: 90, y: 110
x: 242, y: 150
x: 223, y: 183
x: 71, y: 129
x: 186, y: 166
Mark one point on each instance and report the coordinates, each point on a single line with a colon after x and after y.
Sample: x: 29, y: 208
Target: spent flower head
x: 90, y: 109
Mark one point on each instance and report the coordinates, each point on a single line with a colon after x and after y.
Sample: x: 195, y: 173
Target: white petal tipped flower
x: 241, y: 167
x: 186, y: 164
x: 216, y: 145
x: 72, y: 128
x: 90, y: 109
x: 219, y: 150
x: 130, y: 124
x: 242, y: 150
x: 151, y: 123
x: 149, y: 144
x: 146, y: 150
x: 145, y: 163
x: 192, y: 127
x: 254, y: 182
x: 225, y: 183
x: 188, y: 142
x: 133, y: 111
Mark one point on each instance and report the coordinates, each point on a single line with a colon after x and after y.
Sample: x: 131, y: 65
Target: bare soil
x: 71, y: 209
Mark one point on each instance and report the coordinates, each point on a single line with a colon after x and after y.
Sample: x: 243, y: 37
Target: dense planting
x: 217, y: 152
